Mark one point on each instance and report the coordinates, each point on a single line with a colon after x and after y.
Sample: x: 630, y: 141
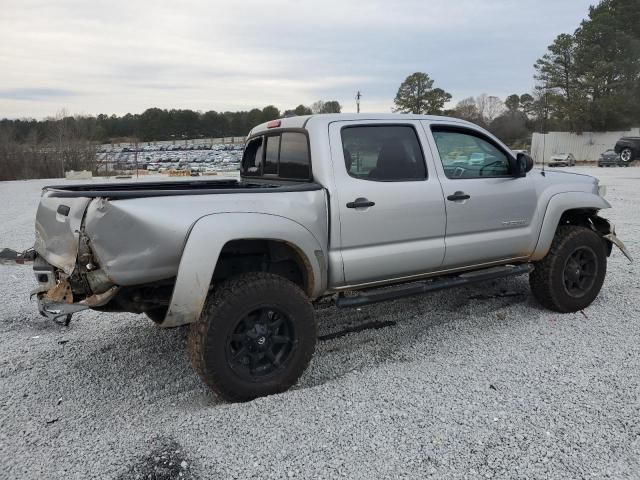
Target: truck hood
x: 565, y: 181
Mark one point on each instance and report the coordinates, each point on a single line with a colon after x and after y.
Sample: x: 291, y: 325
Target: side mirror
x: 522, y: 165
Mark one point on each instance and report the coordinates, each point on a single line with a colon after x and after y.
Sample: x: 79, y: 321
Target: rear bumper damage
x: 55, y: 293
x: 55, y: 305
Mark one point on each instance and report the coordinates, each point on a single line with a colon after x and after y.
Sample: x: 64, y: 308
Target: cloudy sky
x: 120, y: 56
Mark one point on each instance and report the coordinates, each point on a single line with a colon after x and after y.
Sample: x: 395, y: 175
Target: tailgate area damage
x: 57, y: 302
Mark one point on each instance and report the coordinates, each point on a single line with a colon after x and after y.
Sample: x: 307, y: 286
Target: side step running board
x: 431, y: 285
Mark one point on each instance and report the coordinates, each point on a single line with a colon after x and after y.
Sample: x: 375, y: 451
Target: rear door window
x: 383, y: 153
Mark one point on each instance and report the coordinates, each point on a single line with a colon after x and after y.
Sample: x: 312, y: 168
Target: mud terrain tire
x: 570, y: 277
x: 255, y: 336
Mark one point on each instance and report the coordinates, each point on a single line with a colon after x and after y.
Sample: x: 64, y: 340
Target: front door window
x: 465, y: 155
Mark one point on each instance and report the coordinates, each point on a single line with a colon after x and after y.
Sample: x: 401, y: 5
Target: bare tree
x: 494, y: 108
x: 65, y: 143
x: 467, y: 109
x: 490, y: 107
x: 56, y: 135
x: 317, y: 107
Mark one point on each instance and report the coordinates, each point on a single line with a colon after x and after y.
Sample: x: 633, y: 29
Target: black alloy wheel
x: 256, y: 335
x: 580, y: 271
x: 571, y: 275
x: 261, y: 343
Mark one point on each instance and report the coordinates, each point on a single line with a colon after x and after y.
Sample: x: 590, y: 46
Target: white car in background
x: 562, y: 160
x: 476, y: 158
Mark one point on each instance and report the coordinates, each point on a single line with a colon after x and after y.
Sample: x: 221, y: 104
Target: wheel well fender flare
x: 558, y: 205
x: 206, y: 239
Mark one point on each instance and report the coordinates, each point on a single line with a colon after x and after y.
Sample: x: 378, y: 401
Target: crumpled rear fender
x: 58, y: 222
x: 205, y: 242
x: 559, y: 204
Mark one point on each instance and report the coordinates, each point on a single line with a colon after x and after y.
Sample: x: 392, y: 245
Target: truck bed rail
x: 164, y: 189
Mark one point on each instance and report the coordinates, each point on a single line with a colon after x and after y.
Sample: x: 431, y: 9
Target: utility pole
x: 136, y: 155
x: 358, y: 96
x: 61, y: 153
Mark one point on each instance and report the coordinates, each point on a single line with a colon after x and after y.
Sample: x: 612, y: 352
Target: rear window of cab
x: 280, y: 155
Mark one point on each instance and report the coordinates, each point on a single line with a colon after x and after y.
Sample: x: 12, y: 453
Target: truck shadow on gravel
x: 156, y: 361
x: 356, y: 339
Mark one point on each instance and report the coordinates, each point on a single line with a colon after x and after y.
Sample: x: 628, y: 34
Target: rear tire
x: 570, y: 277
x: 255, y: 336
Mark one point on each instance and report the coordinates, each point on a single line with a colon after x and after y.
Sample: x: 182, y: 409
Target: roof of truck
x: 302, y: 121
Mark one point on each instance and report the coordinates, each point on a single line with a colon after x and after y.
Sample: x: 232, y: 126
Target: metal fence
x: 586, y: 146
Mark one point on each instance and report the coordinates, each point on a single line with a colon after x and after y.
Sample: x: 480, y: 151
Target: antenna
x: 358, y: 96
x: 544, y: 125
x: 544, y: 149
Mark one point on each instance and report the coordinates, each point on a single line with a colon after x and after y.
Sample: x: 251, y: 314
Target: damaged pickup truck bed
x: 370, y: 208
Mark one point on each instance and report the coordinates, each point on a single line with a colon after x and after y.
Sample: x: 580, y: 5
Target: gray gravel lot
x: 467, y: 383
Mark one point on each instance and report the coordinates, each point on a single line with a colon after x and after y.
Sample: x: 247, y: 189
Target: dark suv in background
x: 628, y: 148
x: 610, y: 158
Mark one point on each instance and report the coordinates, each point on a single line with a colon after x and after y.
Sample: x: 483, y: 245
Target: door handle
x: 360, y: 203
x: 458, y: 196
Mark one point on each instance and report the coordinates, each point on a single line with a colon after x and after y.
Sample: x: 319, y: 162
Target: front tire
x: 570, y: 277
x: 255, y: 337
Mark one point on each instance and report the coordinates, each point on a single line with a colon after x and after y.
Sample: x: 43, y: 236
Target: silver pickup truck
x: 364, y: 208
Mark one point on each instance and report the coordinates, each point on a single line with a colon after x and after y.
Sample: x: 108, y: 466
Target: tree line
x: 47, y: 148
x: 586, y: 81
x: 158, y: 124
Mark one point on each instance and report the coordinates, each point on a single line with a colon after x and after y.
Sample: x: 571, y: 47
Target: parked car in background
x: 476, y: 158
x: 610, y: 158
x: 562, y: 160
x: 628, y: 148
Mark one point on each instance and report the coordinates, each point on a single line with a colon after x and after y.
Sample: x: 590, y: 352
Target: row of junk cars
x: 196, y: 159
x: 208, y: 158
x: 625, y: 151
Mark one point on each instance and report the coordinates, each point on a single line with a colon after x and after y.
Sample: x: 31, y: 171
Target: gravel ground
x: 467, y: 383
